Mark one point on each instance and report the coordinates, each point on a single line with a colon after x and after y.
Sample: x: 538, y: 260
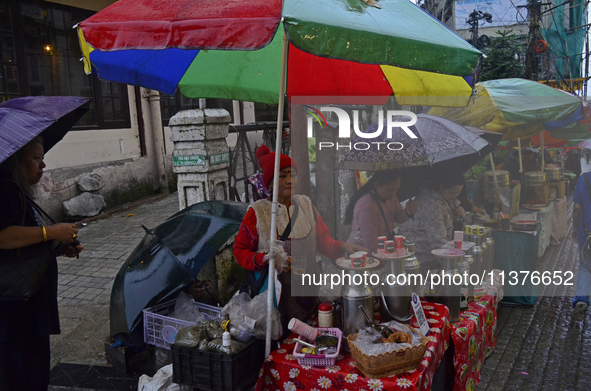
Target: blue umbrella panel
x: 169, y: 258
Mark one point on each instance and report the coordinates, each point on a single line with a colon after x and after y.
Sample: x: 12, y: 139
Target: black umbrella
x: 22, y: 119
x: 441, y: 146
x: 170, y: 257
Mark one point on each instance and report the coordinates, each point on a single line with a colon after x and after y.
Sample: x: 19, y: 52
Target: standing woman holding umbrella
x: 25, y: 325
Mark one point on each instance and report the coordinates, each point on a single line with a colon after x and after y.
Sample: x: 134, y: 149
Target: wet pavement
x: 539, y: 347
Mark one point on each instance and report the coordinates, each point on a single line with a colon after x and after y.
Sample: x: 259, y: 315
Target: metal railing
x: 242, y: 161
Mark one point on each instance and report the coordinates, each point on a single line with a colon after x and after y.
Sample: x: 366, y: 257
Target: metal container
x: 552, y: 172
x: 396, y: 298
x: 450, y: 263
x: 503, y: 180
x: 468, y: 266
x: 464, y: 267
x: 485, y: 255
x: 534, y: 178
x: 448, y: 294
x: 491, y: 185
x: 502, y: 176
x: 353, y: 296
x: 412, y: 266
x: 478, y: 256
x: 491, y: 249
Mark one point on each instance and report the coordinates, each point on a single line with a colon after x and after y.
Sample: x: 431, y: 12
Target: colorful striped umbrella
x: 231, y: 50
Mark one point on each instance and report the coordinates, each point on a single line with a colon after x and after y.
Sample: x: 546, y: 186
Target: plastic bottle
x: 325, y: 315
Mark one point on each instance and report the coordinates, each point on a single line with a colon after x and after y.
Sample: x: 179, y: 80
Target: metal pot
x: 478, y: 256
x: 502, y: 176
x: 552, y: 172
x: 534, y: 178
x: 348, y: 315
x: 396, y: 298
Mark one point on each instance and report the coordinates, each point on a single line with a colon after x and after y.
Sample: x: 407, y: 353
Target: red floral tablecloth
x: 475, y: 335
x: 281, y: 370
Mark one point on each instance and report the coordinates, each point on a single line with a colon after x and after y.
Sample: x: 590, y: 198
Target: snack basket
x: 328, y: 359
x: 155, y: 319
x: 387, y: 364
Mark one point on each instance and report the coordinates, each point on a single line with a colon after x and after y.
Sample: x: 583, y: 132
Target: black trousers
x: 25, y: 362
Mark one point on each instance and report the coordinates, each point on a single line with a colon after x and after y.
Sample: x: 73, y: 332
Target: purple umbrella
x: 22, y: 119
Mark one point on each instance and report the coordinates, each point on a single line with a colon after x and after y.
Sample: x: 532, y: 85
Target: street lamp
x: 473, y: 21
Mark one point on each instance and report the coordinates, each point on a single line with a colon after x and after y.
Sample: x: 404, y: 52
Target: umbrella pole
x: 542, y: 150
x: 520, y: 163
x: 494, y: 172
x: 271, y: 283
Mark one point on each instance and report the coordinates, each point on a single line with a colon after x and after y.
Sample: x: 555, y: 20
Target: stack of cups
x: 390, y: 249
x: 308, y: 332
x: 458, y: 239
x: 401, y: 248
x: 382, y: 245
x: 359, y: 259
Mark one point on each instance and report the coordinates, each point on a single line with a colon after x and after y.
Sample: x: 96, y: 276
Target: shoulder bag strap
x: 390, y: 234
x: 39, y: 209
x: 293, y: 217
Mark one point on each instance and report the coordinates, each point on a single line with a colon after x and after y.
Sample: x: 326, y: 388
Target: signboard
x: 504, y: 12
x: 198, y: 160
x: 219, y: 158
x: 420, y: 315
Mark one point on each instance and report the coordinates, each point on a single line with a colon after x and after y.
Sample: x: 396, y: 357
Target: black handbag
x: 22, y: 273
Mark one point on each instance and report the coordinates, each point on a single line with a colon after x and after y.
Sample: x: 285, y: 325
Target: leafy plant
x: 482, y: 166
x: 505, y: 57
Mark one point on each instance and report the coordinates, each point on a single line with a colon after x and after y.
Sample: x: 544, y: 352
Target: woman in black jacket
x: 25, y: 326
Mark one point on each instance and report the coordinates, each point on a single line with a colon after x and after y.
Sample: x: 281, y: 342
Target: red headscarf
x: 266, y: 160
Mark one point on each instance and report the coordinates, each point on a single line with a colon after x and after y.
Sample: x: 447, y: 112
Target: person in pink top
x: 374, y: 209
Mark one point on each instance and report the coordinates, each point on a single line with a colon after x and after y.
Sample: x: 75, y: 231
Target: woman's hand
x: 411, y: 208
x: 459, y: 211
x: 71, y: 251
x: 62, y: 232
x: 477, y: 210
x: 353, y: 248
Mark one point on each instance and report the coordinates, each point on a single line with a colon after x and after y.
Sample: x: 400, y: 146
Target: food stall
x: 473, y: 337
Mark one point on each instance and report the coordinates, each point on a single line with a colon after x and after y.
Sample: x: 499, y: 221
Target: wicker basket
x: 387, y: 364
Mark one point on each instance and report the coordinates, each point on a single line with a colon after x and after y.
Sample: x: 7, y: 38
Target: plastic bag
x: 190, y: 337
x: 162, y: 381
x: 186, y: 309
x: 366, y: 337
x: 213, y: 328
x: 256, y: 310
x: 251, y: 315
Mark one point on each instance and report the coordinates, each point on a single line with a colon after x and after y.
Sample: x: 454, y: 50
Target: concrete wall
x: 112, y: 156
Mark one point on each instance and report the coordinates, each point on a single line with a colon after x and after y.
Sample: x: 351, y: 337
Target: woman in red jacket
x: 306, y: 234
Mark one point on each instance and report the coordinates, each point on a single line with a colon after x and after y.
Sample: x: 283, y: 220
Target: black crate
x: 218, y: 371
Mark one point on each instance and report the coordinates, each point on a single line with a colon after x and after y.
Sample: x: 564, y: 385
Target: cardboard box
x: 557, y: 189
x: 127, y: 360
